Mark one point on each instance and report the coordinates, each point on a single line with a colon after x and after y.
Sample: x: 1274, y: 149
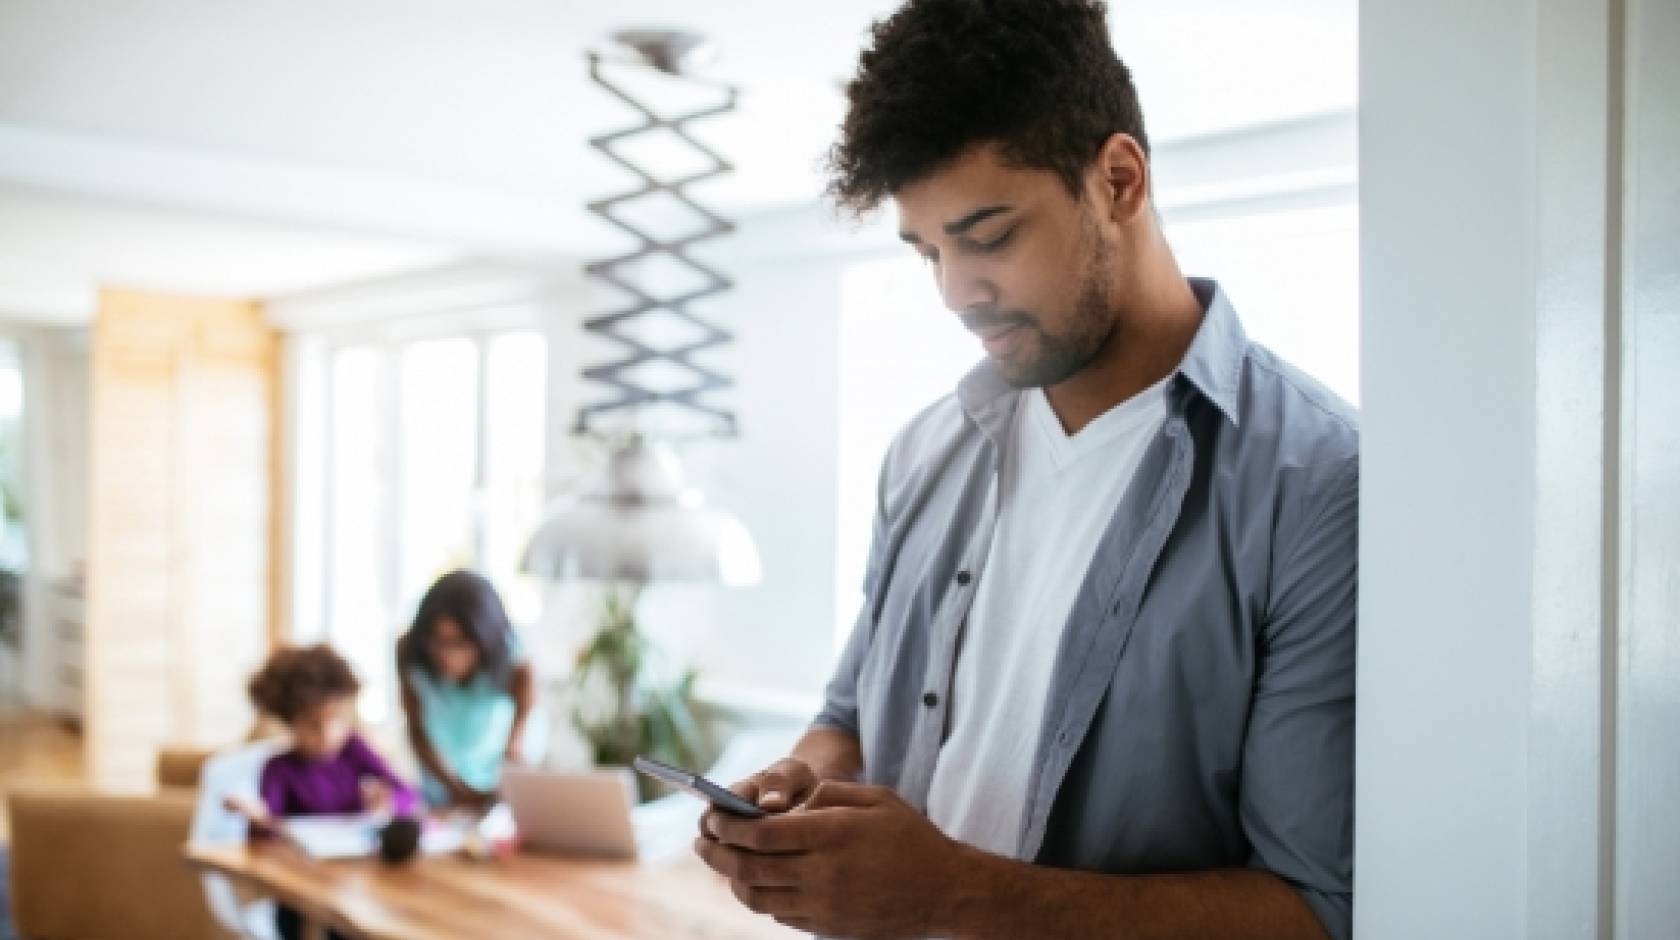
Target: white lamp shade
x: 639, y: 523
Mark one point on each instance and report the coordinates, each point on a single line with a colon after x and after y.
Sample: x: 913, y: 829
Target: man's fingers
x: 773, y: 794
x: 831, y: 793
x: 787, y: 833
x: 783, y: 785
x: 774, y: 902
x: 751, y: 868
x: 749, y: 788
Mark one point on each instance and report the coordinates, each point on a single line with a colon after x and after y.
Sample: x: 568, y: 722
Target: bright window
x: 434, y: 462
x: 900, y: 350
x: 1294, y: 279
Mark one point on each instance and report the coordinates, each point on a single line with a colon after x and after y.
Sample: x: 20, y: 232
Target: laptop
x: 572, y: 813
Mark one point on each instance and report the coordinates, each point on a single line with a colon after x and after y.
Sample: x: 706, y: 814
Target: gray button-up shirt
x: 1200, y: 714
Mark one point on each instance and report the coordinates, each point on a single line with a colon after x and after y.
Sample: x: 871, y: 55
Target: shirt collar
x: 1212, y: 365
x: 1214, y: 361
x: 988, y: 400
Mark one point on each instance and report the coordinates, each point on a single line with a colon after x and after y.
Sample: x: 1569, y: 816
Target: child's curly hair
x: 296, y: 679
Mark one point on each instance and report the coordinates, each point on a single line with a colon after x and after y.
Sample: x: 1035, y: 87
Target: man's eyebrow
x: 961, y: 225
x: 974, y: 218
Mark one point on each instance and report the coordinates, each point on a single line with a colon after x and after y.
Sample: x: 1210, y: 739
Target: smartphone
x: 719, y: 797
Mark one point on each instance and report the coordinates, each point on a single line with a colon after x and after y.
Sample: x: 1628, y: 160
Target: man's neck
x: 1143, y: 349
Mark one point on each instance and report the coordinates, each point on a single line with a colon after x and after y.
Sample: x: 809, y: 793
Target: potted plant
x: 624, y: 703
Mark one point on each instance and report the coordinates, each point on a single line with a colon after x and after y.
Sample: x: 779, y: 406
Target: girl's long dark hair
x: 468, y: 599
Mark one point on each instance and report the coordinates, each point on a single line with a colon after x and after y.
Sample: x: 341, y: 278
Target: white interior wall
x: 782, y: 476
x: 1521, y: 507
x: 1448, y: 437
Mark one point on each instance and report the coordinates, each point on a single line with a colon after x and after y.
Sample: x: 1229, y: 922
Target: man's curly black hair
x: 1039, y: 78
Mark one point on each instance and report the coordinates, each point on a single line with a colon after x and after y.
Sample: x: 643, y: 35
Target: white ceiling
x: 58, y: 238
x: 266, y: 148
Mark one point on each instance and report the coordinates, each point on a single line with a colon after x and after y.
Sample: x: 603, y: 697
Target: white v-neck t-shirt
x: 1057, y: 495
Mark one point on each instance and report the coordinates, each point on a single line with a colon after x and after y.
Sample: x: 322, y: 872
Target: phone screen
x: 719, y: 797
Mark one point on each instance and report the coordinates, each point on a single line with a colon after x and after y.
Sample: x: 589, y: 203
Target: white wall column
x: 1520, y: 555
x: 1647, y: 766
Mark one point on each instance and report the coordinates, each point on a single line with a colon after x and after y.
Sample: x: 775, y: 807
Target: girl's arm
x: 522, y: 686
x: 424, y: 752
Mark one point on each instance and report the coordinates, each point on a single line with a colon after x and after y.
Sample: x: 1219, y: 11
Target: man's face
x: 1019, y: 260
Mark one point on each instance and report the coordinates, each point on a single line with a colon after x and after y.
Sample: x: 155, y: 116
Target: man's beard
x: 1058, y: 358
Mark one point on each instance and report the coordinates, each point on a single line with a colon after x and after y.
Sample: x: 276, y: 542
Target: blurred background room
x: 298, y: 313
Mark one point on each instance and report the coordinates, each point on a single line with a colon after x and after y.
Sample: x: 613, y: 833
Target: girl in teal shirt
x: 468, y: 693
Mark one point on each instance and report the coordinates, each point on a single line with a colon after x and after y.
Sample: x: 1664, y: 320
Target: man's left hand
x: 854, y: 861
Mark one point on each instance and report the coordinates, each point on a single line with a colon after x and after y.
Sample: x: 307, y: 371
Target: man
x: 1102, y: 684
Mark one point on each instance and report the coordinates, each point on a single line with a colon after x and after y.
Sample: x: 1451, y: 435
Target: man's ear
x: 1119, y: 179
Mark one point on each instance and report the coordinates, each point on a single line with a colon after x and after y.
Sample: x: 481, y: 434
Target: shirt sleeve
x: 271, y: 786
x: 840, y: 700
x: 840, y: 707
x: 1296, y: 800
x: 368, y: 763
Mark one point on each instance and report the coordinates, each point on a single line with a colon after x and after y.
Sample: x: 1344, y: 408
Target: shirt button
x: 930, y: 699
x: 963, y: 577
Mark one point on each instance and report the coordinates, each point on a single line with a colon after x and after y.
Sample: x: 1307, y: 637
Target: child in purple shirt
x: 353, y: 780
x: 328, y: 768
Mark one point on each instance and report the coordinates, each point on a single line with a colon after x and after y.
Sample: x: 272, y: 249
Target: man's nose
x: 963, y: 289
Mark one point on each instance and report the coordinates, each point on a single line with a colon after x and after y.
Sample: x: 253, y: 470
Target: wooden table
x: 519, y: 897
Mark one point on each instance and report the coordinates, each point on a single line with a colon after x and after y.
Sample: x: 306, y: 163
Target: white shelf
x: 65, y: 663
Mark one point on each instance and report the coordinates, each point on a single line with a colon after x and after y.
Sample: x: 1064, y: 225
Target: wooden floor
x: 36, y: 750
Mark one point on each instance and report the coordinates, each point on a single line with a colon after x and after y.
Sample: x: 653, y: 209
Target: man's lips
x: 1000, y: 340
